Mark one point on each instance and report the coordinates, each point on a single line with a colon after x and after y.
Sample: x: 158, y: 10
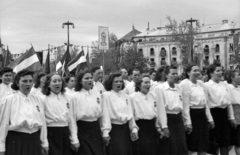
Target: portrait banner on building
x: 103, y: 38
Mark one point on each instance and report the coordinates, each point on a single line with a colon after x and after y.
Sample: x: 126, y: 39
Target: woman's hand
x: 166, y: 132
x: 134, y: 136
x: 106, y: 140
x: 75, y: 147
x: 45, y: 150
x: 188, y: 128
x: 234, y: 123
x: 211, y: 125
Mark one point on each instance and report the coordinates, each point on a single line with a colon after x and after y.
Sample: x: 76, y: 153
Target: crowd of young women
x: 81, y: 116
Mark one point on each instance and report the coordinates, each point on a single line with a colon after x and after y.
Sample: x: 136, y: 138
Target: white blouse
x: 154, y: 85
x: 22, y: 113
x: 69, y: 91
x: 219, y: 96
x: 5, y: 90
x: 36, y: 91
x: 116, y: 110
x: 195, y: 97
x: 99, y: 87
x: 87, y: 105
x: 130, y: 88
x: 144, y: 106
x: 59, y: 113
x: 235, y: 94
x: 169, y: 100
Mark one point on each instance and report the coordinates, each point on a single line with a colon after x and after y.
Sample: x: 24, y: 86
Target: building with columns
x: 215, y: 42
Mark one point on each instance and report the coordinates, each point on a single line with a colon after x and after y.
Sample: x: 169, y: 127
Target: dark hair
x: 229, y: 74
x: 188, y: 69
x: 160, y: 74
x: 5, y: 70
x: 37, y: 79
x: 67, y: 78
x: 79, y: 77
x: 168, y: 68
x: 108, y: 83
x: 46, y: 90
x: 152, y: 71
x: 138, y: 83
x: 18, y: 76
x: 211, y: 68
x: 95, y: 68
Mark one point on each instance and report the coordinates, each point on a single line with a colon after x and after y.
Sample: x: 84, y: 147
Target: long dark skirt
x: 19, y: 143
x: 235, y: 133
x: 89, y: 136
x: 59, y: 142
x: 176, y: 144
x: 120, y: 142
x: 197, y: 141
x: 147, y: 142
x: 221, y: 132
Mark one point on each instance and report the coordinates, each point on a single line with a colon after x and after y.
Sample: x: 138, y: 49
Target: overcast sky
x: 40, y: 21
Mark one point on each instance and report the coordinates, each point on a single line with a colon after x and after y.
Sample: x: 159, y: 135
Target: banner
x: 103, y: 38
x: 235, y: 45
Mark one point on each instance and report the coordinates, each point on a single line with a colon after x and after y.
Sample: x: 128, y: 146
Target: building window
x: 174, y: 51
x: 152, y: 51
x: 140, y: 50
x: 140, y: 40
x: 206, y: 49
x: 217, y: 48
x: 163, y: 52
x: 231, y: 47
x: 152, y: 59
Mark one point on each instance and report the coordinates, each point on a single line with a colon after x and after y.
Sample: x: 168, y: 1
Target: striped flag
x: 80, y: 58
x: 62, y: 64
x: 7, y: 58
x: 1, y: 55
x: 47, y: 63
x: 84, y: 64
x: 29, y: 60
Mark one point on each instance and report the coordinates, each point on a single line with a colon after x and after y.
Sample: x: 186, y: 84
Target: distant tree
x: 183, y: 34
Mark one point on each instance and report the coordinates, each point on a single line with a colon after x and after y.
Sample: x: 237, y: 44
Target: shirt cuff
x: 134, y: 130
x: 105, y: 134
x: 231, y: 117
x: 2, y: 148
x: 164, y: 126
x: 75, y: 141
x: 45, y: 144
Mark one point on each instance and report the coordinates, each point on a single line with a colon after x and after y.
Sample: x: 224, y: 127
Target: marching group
x: 155, y: 113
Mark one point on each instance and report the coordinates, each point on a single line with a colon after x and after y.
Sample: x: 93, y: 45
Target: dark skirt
x: 89, y: 136
x: 235, y: 136
x: 176, y: 144
x: 120, y: 142
x: 197, y: 140
x: 59, y: 142
x: 221, y: 132
x: 147, y: 142
x: 19, y: 143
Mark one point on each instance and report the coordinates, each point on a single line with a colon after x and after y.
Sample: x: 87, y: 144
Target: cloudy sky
x: 40, y: 21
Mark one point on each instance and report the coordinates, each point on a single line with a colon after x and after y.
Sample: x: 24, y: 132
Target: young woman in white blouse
x: 233, y: 79
x: 62, y: 129
x: 22, y: 123
x: 87, y: 105
x: 70, y: 84
x: 38, y: 85
x: 197, y: 116
x: 169, y: 115
x: 159, y: 78
x: 117, y: 121
x: 219, y: 102
x: 5, y: 87
x: 144, y: 111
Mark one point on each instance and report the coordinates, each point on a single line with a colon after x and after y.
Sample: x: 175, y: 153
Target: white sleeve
x: 43, y: 134
x: 132, y: 124
x: 5, y: 110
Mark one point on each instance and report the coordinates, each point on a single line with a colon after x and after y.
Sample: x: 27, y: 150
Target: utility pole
x: 68, y: 24
x: 190, y: 55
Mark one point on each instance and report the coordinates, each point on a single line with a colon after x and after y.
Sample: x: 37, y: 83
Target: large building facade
x: 215, y: 42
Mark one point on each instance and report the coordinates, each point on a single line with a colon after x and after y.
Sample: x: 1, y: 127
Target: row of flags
x: 5, y: 56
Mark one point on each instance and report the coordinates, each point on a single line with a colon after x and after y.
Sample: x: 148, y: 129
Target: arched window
x: 174, y: 51
x: 206, y: 49
x: 163, y: 52
x: 152, y: 51
x: 217, y: 48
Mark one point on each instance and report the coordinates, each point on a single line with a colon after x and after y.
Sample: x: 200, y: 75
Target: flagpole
x: 103, y: 62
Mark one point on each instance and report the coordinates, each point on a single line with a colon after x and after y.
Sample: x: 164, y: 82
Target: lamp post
x: 190, y: 55
x: 68, y: 24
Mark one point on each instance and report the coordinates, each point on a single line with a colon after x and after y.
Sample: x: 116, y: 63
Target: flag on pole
x: 28, y: 60
x: 7, y: 58
x: 80, y: 58
x: 1, y: 55
x: 62, y: 64
x: 47, y: 63
x: 83, y: 64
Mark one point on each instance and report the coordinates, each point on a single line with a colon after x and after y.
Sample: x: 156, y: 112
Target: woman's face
x: 87, y: 81
x: 194, y: 73
x: 145, y: 85
x: 117, y: 84
x: 25, y: 84
x: 56, y: 84
x: 217, y: 74
x: 42, y: 81
x: 172, y: 76
x: 71, y: 83
x: 7, y: 78
x: 236, y: 78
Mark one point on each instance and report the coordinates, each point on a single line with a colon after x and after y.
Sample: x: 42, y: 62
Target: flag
x: 1, y: 55
x: 80, y: 58
x: 47, y: 63
x: 62, y: 64
x: 28, y: 60
x: 40, y: 56
x: 7, y: 58
x: 83, y: 64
